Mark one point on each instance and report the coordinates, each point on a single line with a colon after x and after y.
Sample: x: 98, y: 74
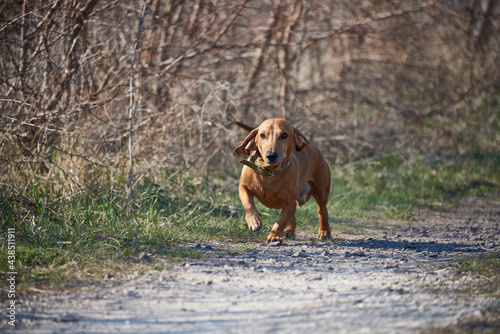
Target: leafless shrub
x: 359, y: 77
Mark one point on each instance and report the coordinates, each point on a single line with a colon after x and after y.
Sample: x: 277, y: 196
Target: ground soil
x: 393, y: 277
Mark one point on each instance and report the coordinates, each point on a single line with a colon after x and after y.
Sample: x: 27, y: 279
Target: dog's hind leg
x: 290, y: 229
x: 304, y: 194
x: 321, y: 197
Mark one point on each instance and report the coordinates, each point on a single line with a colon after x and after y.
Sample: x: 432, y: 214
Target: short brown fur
x: 276, y: 141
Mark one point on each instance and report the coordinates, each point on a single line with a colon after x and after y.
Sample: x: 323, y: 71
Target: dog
x: 283, y: 171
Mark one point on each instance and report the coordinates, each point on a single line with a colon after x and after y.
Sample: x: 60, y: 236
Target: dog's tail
x: 244, y: 126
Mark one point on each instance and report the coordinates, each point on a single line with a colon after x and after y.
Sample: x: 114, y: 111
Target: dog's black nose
x: 271, y: 156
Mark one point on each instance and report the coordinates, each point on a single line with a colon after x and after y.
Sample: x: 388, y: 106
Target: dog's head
x: 275, y: 139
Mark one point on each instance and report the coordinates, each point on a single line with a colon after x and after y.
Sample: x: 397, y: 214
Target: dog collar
x: 263, y: 170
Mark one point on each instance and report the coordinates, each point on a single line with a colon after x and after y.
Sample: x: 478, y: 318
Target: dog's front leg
x: 287, y: 216
x: 251, y: 212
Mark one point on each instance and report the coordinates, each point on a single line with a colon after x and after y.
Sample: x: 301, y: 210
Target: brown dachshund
x: 284, y: 171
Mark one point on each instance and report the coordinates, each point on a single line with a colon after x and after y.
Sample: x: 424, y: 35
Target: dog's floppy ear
x: 299, y: 139
x: 248, y: 145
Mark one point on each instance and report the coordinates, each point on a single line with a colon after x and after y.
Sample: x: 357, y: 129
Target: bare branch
x: 131, y: 106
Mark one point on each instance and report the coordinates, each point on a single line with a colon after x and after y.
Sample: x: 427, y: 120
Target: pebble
x: 357, y: 253
x: 276, y: 243
x: 130, y: 293
x: 299, y: 254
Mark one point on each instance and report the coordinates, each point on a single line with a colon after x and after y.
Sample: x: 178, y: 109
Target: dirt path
x: 393, y: 279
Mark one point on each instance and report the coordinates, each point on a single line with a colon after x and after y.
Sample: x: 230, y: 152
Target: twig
x: 71, y: 155
x: 131, y: 107
x: 72, y: 63
x: 13, y: 119
x: 372, y: 19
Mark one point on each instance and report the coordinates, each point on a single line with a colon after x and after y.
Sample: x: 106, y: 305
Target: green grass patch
x: 63, y: 236
x: 394, y: 185
x: 485, y: 269
x: 66, y: 236
x: 489, y: 323
x: 365, y: 193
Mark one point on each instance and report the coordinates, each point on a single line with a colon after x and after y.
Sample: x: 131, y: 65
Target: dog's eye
x: 284, y: 136
x: 263, y: 136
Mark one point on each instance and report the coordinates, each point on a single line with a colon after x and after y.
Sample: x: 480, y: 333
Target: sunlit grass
x: 63, y: 235
x: 485, y: 269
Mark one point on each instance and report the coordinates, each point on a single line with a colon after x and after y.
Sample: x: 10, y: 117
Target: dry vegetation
x: 362, y: 78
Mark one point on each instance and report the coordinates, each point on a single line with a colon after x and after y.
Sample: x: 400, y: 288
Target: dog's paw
x: 290, y: 234
x: 254, y: 223
x: 272, y: 237
x: 324, y: 235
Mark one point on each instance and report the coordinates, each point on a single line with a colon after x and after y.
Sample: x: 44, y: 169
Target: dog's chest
x: 273, y: 194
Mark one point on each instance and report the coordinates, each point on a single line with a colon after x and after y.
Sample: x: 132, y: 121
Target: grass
x: 64, y: 237
x: 485, y: 268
